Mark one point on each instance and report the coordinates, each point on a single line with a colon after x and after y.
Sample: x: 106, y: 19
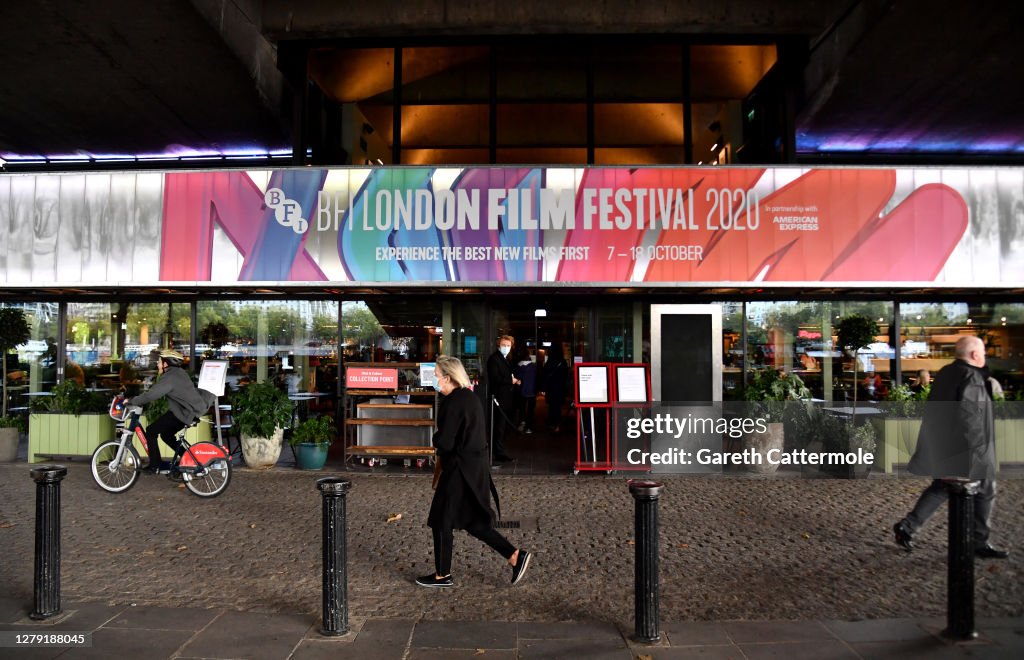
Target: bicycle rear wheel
x: 115, y: 478
x: 211, y: 480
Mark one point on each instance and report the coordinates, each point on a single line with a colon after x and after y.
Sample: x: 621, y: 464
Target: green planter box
x: 199, y: 433
x: 1010, y: 440
x: 56, y: 434
x: 898, y: 440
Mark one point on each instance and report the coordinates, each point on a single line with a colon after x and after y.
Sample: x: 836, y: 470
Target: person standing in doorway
x: 501, y: 382
x: 957, y: 439
x: 462, y: 497
x: 526, y: 371
x: 554, y: 380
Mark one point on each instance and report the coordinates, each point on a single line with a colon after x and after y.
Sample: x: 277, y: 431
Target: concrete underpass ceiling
x: 918, y: 76
x: 127, y: 77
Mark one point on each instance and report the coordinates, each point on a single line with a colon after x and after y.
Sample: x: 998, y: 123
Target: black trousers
x: 936, y: 494
x: 444, y: 538
x: 165, y: 428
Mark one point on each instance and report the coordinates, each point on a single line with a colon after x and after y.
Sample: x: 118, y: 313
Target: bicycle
x: 205, y: 467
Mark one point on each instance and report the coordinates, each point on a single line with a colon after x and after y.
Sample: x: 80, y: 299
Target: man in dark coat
x: 556, y: 375
x: 957, y: 439
x: 501, y: 382
x: 462, y: 499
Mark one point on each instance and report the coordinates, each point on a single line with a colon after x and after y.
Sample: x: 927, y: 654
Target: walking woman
x: 462, y: 499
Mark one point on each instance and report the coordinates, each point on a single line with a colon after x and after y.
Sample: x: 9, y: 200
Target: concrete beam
x: 304, y: 19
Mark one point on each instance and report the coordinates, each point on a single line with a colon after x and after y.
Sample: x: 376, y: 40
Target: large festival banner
x: 529, y: 225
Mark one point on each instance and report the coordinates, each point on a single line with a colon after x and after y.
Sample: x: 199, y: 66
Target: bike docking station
x: 594, y: 390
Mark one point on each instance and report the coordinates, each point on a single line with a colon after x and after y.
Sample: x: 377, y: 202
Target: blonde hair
x: 508, y: 338
x: 452, y: 367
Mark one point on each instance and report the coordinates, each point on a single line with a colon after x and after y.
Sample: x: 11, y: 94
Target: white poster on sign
x: 212, y: 376
x: 631, y: 384
x: 427, y: 374
x: 593, y: 384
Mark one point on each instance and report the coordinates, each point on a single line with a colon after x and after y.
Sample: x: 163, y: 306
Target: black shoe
x: 433, y: 581
x: 904, y: 539
x: 522, y: 563
x: 504, y: 458
x: 986, y: 551
x: 150, y: 470
x: 174, y: 474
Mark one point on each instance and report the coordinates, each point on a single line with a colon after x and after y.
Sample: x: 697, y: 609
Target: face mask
x: 504, y: 350
x: 437, y: 386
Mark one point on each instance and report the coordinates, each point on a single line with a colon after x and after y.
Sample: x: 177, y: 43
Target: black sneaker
x: 986, y: 551
x: 433, y: 581
x: 903, y: 538
x: 519, y: 570
x: 174, y: 474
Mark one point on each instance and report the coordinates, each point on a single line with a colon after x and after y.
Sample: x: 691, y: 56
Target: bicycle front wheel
x: 115, y: 477
x: 211, y: 480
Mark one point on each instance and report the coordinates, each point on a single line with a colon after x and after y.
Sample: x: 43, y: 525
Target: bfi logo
x: 288, y: 212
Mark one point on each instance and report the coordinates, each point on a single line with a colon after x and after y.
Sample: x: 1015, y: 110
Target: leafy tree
x: 14, y: 330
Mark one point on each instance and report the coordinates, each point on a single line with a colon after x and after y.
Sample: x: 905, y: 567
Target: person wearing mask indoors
x: 526, y: 371
x: 554, y: 380
x: 501, y: 382
x: 463, y: 485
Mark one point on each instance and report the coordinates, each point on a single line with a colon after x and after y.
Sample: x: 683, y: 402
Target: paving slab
x: 131, y: 643
x: 249, y: 635
x: 163, y: 618
x: 821, y: 650
x: 777, y: 631
x: 464, y: 635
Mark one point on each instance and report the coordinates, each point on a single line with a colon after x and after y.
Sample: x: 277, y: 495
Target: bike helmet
x: 172, y: 357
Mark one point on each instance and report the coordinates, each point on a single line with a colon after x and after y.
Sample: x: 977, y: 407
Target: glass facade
x: 293, y: 343
x: 929, y: 331
x: 32, y: 366
x: 799, y: 337
x: 542, y: 101
x: 113, y: 344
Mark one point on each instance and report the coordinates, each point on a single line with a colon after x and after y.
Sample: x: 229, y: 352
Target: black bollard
x: 335, y: 562
x: 646, y: 581
x: 47, y: 567
x: 960, y: 601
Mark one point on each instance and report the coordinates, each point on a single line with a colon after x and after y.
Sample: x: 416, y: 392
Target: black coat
x: 957, y: 437
x: 499, y: 379
x: 462, y: 499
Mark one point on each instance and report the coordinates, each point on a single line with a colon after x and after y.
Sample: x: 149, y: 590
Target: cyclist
x: 186, y: 404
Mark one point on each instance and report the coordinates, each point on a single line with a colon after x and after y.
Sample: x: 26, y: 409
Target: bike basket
x: 117, y: 407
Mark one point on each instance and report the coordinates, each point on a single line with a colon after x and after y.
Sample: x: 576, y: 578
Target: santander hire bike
x: 205, y: 467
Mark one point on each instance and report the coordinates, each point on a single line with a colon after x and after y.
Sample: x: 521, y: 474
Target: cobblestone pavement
x: 731, y: 548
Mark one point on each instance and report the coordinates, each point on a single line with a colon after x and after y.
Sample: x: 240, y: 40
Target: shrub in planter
x: 262, y: 413
x: 72, y: 422
x: 10, y: 433
x: 311, y: 439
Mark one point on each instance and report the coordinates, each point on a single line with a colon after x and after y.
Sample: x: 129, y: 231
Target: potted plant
x: 14, y: 330
x: 310, y: 440
x: 262, y: 413
x: 846, y: 437
x: 854, y: 333
x: 768, y: 392
x: 71, y: 422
